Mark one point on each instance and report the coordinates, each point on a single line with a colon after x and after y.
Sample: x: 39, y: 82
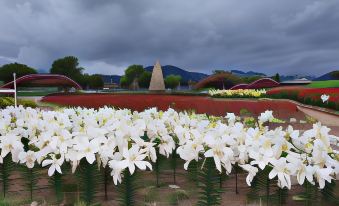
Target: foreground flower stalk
x: 125, y: 140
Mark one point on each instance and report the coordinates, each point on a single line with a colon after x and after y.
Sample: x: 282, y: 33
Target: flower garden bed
x: 238, y: 93
x: 305, y: 95
x: 282, y: 109
x: 311, y: 96
x: 82, y: 149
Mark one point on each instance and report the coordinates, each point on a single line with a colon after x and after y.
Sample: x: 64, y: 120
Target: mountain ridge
x: 185, y: 75
x: 247, y: 74
x: 328, y: 76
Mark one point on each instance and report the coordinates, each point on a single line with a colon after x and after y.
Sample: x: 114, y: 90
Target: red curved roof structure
x: 258, y: 84
x: 239, y: 86
x: 220, y: 81
x: 43, y: 80
x: 263, y: 83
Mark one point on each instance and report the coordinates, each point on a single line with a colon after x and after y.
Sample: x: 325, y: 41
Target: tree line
x: 137, y: 77
x: 68, y: 66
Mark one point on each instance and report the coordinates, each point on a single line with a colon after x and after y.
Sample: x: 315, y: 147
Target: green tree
x: 68, y: 66
x: 96, y: 82
x: 91, y: 81
x: 123, y: 82
x: 84, y: 80
x: 250, y: 79
x: 133, y: 72
x: 277, y: 77
x: 145, y: 79
x: 230, y: 80
x: 218, y: 71
x: 172, y: 81
x: 7, y: 70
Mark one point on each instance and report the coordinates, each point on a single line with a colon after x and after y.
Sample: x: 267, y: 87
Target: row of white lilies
x: 123, y: 139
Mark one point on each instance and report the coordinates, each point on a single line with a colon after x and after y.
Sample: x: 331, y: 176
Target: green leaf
x: 127, y: 189
x: 329, y: 193
x: 30, y: 178
x: 174, y: 158
x: 210, y: 192
x: 193, y: 171
x: 89, y: 180
x: 264, y: 189
x: 106, y: 179
x: 56, y: 181
x: 5, y: 171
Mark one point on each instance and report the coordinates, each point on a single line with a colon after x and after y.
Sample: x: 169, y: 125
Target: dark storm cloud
x: 292, y: 37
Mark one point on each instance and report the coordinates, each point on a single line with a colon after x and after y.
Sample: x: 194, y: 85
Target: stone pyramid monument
x: 157, y: 80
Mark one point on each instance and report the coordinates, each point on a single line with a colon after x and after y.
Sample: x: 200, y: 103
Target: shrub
x: 9, y: 101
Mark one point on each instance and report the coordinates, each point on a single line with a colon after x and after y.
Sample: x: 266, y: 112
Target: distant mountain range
x: 246, y: 74
x: 293, y: 77
x: 282, y: 77
x: 167, y: 70
x: 197, y: 76
x: 333, y: 75
x: 185, y: 75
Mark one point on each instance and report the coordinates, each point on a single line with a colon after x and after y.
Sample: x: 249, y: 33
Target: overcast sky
x: 285, y: 36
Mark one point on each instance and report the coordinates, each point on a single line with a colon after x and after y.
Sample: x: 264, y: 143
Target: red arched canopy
x: 41, y: 80
x: 224, y: 80
x: 258, y: 84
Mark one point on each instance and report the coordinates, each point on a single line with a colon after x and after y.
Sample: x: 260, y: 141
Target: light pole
x: 15, y: 101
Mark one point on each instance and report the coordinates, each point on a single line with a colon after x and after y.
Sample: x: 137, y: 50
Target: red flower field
x: 305, y: 90
x: 281, y: 108
x: 308, y: 95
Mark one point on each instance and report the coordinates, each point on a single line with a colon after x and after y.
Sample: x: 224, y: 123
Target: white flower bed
x: 117, y: 138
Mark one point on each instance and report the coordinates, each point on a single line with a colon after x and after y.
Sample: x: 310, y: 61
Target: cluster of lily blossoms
x: 126, y: 140
x: 237, y: 93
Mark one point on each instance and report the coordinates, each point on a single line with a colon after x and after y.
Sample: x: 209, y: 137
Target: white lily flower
x: 231, y: 118
x: 221, y: 154
x: 10, y: 143
x: 117, y: 168
x: 87, y: 149
x: 322, y: 175
x: 134, y: 157
x: 252, y: 171
x: 55, y: 164
x: 324, y: 97
x: 266, y: 116
x: 166, y: 146
x: 305, y: 172
x: 28, y: 157
x: 283, y: 170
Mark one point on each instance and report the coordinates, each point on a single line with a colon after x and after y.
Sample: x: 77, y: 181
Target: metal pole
x: 15, y: 100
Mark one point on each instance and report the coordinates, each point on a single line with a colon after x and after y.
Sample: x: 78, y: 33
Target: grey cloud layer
x: 292, y: 37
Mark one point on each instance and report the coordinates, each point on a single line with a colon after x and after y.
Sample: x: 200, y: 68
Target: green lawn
x: 324, y: 84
